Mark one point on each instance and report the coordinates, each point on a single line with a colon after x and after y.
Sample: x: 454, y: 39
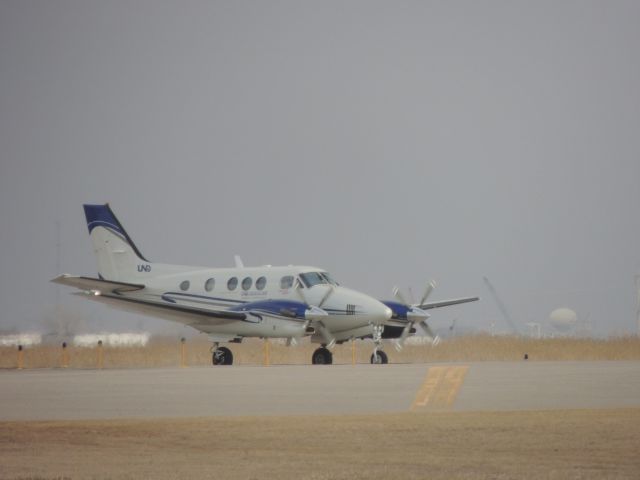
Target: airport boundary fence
x: 173, y: 352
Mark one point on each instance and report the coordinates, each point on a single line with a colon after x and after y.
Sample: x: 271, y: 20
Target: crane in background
x: 501, y: 306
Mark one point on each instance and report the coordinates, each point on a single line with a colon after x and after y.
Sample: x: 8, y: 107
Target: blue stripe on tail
x: 103, y: 216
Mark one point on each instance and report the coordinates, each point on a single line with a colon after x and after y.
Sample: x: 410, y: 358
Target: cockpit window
x: 310, y: 279
x: 329, y: 279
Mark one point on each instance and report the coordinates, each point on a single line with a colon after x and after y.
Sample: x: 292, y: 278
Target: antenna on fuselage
x: 238, y: 260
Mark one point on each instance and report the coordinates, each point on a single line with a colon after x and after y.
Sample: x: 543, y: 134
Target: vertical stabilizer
x: 118, y: 257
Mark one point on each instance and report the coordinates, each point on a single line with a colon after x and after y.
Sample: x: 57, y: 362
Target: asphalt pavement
x: 315, y: 390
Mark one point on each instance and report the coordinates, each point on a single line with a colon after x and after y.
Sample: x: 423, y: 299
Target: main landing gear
x: 221, y: 356
x: 322, y: 356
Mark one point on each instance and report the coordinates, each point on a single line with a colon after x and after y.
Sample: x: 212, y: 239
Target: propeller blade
x: 399, y: 344
x: 426, y: 329
x: 326, y: 296
x: 435, y: 339
x: 398, y: 294
x: 300, y: 293
x: 430, y: 286
x: 329, y: 339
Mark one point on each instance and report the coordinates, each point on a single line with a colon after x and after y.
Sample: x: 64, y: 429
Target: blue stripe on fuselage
x: 287, y: 308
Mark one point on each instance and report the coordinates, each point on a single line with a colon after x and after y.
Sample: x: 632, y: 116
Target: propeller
x: 325, y: 297
x: 415, y: 316
x: 430, y: 286
x: 315, y: 313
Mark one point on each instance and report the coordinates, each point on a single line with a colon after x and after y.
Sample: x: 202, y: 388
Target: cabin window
x: 246, y: 283
x: 286, y: 282
x: 184, y: 286
x: 232, y: 283
x: 209, y: 284
x: 261, y: 283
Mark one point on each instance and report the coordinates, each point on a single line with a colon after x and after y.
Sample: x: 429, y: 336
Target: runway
x: 314, y: 390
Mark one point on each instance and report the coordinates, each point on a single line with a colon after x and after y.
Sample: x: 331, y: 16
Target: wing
x: 447, y: 303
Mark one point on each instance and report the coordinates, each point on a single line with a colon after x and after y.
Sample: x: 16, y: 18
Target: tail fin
x: 118, y: 257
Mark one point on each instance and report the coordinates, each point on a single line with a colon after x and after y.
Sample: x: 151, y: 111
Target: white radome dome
x: 563, y: 319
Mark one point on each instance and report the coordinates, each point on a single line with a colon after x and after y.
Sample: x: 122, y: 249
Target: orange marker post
x: 64, y: 358
x: 183, y: 356
x: 100, y: 359
x: 267, y: 352
x: 353, y: 351
x: 20, y: 357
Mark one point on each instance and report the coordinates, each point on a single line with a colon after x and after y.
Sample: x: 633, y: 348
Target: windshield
x: 329, y: 279
x: 314, y: 278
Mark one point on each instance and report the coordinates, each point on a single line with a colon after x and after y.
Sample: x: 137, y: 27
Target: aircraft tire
x: 322, y: 356
x: 381, y: 358
x: 222, y: 356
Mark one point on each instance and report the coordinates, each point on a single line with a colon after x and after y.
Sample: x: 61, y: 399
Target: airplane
x: 230, y: 304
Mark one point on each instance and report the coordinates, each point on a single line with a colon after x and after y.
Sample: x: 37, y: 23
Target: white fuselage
x: 348, y: 313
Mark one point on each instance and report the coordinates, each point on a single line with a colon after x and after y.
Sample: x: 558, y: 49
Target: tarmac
x: 61, y: 394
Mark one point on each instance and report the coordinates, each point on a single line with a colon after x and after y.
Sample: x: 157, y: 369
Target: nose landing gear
x: 378, y: 357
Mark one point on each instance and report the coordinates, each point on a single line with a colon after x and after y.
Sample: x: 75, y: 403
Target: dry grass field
x: 165, y: 352
x: 573, y: 444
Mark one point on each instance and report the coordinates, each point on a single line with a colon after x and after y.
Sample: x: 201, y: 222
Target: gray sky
x: 388, y: 142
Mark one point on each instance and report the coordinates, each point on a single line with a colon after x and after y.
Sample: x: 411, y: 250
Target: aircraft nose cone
x: 381, y: 313
x: 376, y: 311
x: 368, y: 308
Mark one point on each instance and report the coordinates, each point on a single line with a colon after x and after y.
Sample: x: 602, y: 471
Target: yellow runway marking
x: 440, y: 387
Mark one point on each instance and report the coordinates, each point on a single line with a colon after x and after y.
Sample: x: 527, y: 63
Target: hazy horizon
x: 388, y: 142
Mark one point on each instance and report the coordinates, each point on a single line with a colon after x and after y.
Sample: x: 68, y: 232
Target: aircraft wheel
x: 379, y: 357
x: 322, y: 356
x: 222, y: 356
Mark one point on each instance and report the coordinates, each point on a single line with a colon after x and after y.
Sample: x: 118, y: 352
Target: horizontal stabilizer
x: 96, y: 284
x: 112, y: 293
